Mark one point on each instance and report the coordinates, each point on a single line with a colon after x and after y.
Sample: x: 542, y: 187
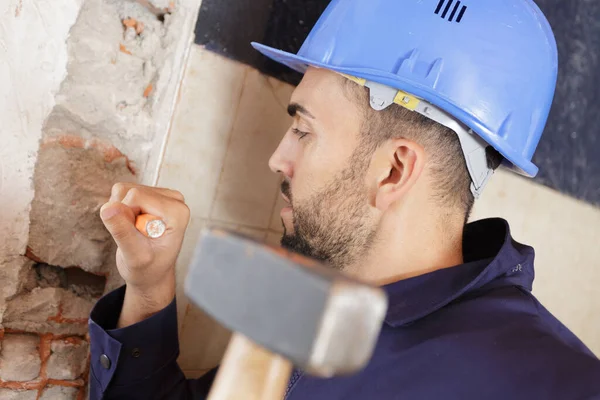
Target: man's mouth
x: 286, y: 192
x: 287, y: 210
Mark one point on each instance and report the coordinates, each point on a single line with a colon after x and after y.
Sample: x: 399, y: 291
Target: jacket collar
x: 491, y: 257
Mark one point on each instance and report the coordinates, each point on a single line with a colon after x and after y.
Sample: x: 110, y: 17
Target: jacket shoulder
x: 503, y: 343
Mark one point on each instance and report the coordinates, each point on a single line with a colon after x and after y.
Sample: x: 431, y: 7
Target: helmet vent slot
x: 445, y: 7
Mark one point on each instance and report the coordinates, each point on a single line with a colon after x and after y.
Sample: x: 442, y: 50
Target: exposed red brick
x: 130, y: 22
x: 60, y: 382
x: 134, y: 23
x: 44, y: 354
x: 109, y: 152
x: 68, y: 141
x: 37, y: 384
x: 45, y: 340
x: 62, y: 320
x: 29, y: 254
x: 82, y: 392
x: 123, y: 49
x: 148, y: 90
x: 53, y: 335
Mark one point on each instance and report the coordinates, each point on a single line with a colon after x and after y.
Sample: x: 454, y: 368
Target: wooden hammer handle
x: 250, y: 372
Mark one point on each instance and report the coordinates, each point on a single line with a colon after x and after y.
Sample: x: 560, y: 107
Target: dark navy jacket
x: 473, y: 331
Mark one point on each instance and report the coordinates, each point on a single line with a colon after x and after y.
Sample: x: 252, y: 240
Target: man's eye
x: 299, y: 133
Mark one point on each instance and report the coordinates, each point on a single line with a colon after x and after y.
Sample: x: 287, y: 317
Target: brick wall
x: 45, y: 366
x: 91, y: 86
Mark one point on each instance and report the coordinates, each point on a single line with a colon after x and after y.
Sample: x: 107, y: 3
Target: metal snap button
x: 105, y: 361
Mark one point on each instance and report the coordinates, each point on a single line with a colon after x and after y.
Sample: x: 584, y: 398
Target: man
x: 405, y: 110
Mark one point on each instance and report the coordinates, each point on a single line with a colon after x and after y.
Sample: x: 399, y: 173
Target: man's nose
x: 281, y: 159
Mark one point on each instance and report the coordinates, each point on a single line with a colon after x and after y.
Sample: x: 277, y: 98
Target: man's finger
x: 120, y: 222
x: 119, y: 191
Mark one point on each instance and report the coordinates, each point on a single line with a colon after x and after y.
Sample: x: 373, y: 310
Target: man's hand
x: 147, y: 265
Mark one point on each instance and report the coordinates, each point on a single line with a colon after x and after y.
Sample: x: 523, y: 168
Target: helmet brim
x: 301, y: 64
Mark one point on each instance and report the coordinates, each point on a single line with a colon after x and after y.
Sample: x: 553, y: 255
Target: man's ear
x: 401, y: 163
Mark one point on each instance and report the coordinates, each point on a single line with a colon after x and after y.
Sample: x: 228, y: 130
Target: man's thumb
x: 120, y: 222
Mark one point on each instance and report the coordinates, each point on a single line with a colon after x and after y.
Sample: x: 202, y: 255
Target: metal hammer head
x: 323, y: 322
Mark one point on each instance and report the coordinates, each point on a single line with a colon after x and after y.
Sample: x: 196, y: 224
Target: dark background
x: 569, y: 152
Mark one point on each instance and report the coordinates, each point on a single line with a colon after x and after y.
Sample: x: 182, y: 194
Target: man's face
x: 324, y: 169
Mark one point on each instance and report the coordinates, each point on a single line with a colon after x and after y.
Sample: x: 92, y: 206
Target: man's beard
x: 333, y: 225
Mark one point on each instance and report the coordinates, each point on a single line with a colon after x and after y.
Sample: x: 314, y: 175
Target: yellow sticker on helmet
x: 406, y: 100
x: 403, y: 99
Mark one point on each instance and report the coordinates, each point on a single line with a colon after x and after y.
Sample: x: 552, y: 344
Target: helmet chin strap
x: 473, y: 147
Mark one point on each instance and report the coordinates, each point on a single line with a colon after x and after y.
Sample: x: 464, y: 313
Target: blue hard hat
x: 490, y: 64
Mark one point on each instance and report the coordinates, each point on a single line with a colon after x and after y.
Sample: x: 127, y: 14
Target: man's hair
x: 447, y: 162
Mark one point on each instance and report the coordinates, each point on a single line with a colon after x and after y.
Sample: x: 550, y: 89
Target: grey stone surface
x: 75, y: 307
x: 10, y: 394
x: 73, y: 178
x: 59, y: 393
x: 40, y: 311
x: 13, y: 276
x: 37, y: 305
x: 67, y: 359
x: 20, y: 358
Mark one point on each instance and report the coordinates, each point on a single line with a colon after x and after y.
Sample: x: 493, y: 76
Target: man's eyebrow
x: 294, y: 108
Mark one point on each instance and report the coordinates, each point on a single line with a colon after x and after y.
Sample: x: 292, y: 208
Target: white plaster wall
x: 121, y: 86
x: 33, y: 64
x: 170, y: 78
x: 33, y: 59
x: 228, y: 121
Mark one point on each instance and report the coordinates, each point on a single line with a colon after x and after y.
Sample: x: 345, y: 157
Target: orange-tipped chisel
x: 150, y: 226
